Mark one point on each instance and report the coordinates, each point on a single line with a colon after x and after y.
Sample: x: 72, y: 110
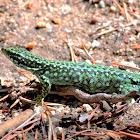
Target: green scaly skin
x: 91, y: 78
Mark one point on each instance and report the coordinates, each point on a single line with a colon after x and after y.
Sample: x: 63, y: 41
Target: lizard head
x: 23, y: 58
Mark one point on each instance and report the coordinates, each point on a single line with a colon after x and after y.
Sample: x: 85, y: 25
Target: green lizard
x: 91, y: 78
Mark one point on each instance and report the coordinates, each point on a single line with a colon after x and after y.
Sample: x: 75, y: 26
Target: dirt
x: 52, y: 27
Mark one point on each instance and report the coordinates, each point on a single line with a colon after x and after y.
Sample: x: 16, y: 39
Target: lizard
x: 90, y: 78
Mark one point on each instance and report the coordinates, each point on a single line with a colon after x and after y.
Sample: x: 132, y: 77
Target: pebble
x: 58, y: 130
x: 40, y: 45
x: 49, y: 27
x: 65, y: 9
x: 30, y: 5
x: 113, y: 9
x: 93, y: 20
x: 87, y: 107
x: 41, y: 24
x: 95, y: 43
x: 102, y: 3
x: 132, y: 38
x: 56, y: 9
x: 67, y: 30
x: 31, y: 45
x: 83, y: 118
x: 20, y: 136
x: 56, y: 20
x: 37, y: 110
x: 39, y: 13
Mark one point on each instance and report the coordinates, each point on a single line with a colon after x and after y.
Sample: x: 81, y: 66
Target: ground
x: 50, y: 29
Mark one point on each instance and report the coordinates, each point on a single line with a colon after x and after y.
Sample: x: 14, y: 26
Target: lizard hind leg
x: 124, y: 89
x: 128, y: 88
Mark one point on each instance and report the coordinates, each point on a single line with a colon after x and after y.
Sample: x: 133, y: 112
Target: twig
x: 17, y: 100
x: 5, y: 97
x: 78, y: 133
x: 130, y: 135
x: 20, y: 71
x: 83, y: 46
x: 110, y: 30
x: 128, y: 17
x: 117, y: 4
x: 51, y: 130
x: 126, y: 66
x: 93, y: 112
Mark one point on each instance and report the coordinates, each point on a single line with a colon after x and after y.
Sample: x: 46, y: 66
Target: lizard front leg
x: 46, y: 87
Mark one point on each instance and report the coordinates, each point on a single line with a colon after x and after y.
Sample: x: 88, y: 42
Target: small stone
x: 113, y: 9
x: 37, y: 110
x: 39, y: 13
x: 95, y: 43
x: 102, y: 3
x: 56, y: 20
x: 49, y: 27
x: 40, y: 45
x: 20, y: 136
x: 67, y: 30
x: 31, y: 45
x: 29, y: 5
x: 58, y: 131
x: 84, y: 117
x: 65, y: 9
x: 87, y: 107
x: 55, y: 9
x: 132, y: 38
x: 93, y: 20
x: 43, y: 3
x: 41, y: 24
